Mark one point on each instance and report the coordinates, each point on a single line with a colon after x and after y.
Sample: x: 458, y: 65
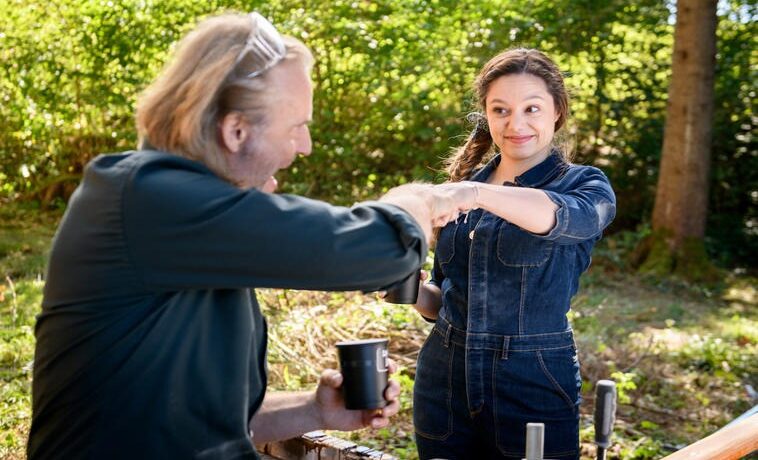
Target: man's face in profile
x: 275, y: 145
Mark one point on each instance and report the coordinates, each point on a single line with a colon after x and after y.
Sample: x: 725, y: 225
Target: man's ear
x: 233, y: 131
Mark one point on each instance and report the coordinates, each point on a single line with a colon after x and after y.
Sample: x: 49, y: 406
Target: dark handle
x: 605, y: 412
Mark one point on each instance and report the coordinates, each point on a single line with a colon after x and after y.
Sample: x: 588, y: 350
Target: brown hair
x: 465, y: 158
x: 203, y: 82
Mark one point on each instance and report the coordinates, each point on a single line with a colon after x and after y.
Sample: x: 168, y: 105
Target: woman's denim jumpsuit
x: 501, y: 353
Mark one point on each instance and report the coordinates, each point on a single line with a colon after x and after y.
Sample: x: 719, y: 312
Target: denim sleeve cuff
x: 561, y: 217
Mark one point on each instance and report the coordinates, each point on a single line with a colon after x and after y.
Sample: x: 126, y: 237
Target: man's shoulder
x: 144, y: 175
x: 139, y: 159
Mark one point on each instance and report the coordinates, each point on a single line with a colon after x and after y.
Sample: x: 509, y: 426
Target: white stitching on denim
x: 449, y: 401
x: 547, y: 249
x: 494, y: 402
x: 487, y: 281
x: 514, y: 350
x: 555, y: 383
x: 497, y: 421
x: 472, y: 413
x: 450, y: 392
x: 452, y: 247
x: 522, y: 336
x: 521, y: 302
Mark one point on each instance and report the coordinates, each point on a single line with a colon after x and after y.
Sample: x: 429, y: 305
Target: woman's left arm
x: 580, y: 213
x: 529, y: 208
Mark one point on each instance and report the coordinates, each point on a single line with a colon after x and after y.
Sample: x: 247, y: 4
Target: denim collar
x: 535, y: 177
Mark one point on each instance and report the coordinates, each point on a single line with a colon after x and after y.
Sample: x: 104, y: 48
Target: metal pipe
x: 535, y: 441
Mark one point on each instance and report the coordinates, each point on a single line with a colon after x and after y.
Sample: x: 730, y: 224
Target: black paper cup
x: 364, y: 367
x: 406, y: 291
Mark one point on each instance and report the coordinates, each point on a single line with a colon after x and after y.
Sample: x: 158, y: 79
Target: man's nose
x: 304, y: 144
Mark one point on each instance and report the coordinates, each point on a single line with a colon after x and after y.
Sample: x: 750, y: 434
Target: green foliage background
x: 392, y: 88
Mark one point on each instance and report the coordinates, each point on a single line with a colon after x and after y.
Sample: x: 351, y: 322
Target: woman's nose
x: 515, y: 121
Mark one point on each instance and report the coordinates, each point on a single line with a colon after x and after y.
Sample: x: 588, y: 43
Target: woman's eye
x: 532, y: 109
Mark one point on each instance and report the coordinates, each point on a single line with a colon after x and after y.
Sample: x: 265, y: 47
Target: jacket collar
x: 535, y: 177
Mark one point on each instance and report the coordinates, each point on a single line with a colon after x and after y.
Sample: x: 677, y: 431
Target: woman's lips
x: 519, y: 139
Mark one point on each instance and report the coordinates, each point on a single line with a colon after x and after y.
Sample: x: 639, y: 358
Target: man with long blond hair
x: 150, y: 343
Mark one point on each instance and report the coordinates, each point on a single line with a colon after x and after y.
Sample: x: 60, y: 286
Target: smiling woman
x: 521, y: 117
x: 501, y: 353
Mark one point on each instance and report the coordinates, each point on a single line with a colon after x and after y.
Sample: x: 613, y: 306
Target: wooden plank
x: 317, y: 445
x: 730, y: 443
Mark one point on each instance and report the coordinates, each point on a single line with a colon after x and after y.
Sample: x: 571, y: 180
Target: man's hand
x: 451, y: 199
x: 270, y: 185
x: 330, y: 405
x: 286, y: 415
x: 434, y: 205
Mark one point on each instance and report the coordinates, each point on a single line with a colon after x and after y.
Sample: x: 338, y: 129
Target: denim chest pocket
x: 445, y: 249
x: 518, y: 248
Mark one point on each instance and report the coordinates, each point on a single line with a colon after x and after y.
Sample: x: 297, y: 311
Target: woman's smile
x: 520, y: 139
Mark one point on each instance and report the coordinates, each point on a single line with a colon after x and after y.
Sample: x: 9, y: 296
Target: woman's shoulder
x: 575, y: 176
x: 582, y: 172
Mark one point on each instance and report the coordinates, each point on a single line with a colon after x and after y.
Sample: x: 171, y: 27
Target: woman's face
x: 521, y: 117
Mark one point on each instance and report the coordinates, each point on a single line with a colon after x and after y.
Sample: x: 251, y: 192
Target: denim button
x: 471, y: 235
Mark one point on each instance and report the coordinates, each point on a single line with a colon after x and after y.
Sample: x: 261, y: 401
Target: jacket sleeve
x: 188, y: 229
x: 585, y: 209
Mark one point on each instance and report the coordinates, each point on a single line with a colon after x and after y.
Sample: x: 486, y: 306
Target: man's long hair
x: 203, y: 82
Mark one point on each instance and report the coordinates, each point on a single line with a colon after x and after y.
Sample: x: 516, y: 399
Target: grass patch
x: 25, y: 235
x: 680, y: 354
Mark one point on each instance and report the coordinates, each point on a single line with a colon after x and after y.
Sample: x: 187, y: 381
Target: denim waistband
x: 499, y: 342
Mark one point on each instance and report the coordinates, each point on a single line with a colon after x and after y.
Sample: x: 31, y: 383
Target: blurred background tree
x: 393, y: 82
x: 681, y: 201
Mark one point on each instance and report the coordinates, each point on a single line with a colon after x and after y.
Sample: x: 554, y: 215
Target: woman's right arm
x: 429, y: 299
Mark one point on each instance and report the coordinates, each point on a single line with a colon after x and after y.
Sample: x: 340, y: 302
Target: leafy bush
x: 392, y: 80
x: 717, y: 356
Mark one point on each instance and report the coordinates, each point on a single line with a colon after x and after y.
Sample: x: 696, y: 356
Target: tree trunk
x: 681, y: 200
